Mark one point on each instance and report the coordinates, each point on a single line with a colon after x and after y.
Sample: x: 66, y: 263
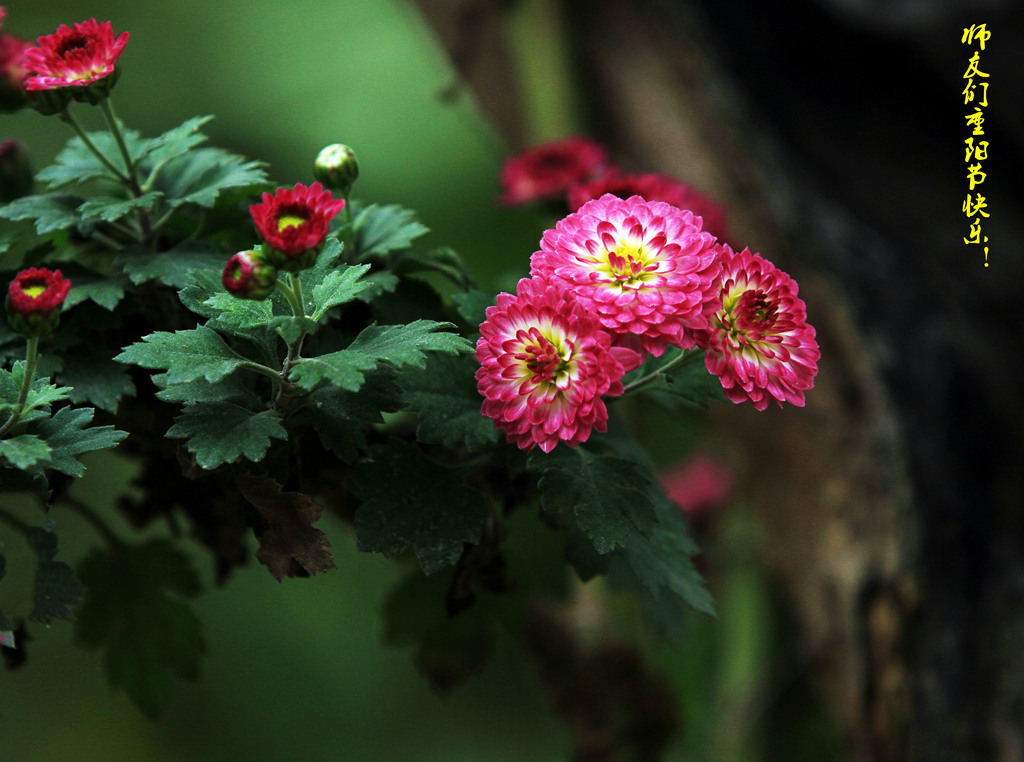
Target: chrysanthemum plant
x: 263, y: 353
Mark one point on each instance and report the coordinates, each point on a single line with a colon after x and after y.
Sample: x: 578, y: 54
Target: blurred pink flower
x: 545, y: 363
x: 760, y: 345
x: 700, y: 485
x: 545, y: 172
x: 645, y: 269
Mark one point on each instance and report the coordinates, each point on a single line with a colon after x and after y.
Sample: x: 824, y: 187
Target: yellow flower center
x: 288, y: 221
x: 35, y: 290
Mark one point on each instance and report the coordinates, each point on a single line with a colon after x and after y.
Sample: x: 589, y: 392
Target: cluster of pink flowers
x: 618, y: 280
x: 576, y: 170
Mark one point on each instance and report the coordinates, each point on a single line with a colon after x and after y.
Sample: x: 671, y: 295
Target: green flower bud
x: 336, y: 167
x: 249, y: 275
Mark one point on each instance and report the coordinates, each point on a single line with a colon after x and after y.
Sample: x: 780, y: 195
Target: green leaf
x: 49, y: 212
x: 201, y: 175
x: 472, y: 306
x: 340, y: 286
x: 240, y: 313
x: 381, y: 229
x: 661, y: 568
x: 107, y: 292
x: 109, y: 209
x: 398, y: 345
x: 97, y: 380
x: 410, y: 500
x: 68, y: 437
x: 174, y: 267
x: 185, y: 355
x: 231, y: 388
x: 24, y: 451
x: 56, y: 586
x: 42, y: 393
x: 340, y: 416
x: 608, y: 496
x: 290, y: 546
x: 222, y: 432
x: 133, y: 612
x: 76, y: 163
x: 173, y: 143
x: 290, y: 327
x: 445, y: 397
x: 444, y: 260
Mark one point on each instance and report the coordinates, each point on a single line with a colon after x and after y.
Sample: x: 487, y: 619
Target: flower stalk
x: 683, y: 358
x: 31, y: 356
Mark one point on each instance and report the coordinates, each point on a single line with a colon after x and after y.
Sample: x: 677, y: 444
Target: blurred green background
x: 297, y: 670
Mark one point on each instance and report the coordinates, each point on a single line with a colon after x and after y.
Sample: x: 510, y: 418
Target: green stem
x: 31, y: 355
x: 683, y: 358
x: 293, y: 292
x: 67, y: 118
x: 263, y: 369
x: 133, y: 184
x: 122, y: 146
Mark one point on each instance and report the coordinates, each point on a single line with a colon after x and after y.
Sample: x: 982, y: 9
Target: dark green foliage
x: 222, y: 432
x: 408, y: 500
x: 609, y: 497
x: 444, y: 396
x: 185, y: 355
x: 133, y: 612
x: 382, y: 229
x: 56, y: 586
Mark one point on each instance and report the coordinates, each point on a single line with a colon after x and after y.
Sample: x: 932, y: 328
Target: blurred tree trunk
x: 891, y: 504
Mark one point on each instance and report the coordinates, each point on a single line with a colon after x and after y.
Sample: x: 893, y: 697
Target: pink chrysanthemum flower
x: 295, y: 221
x: 73, y: 57
x: 759, y: 344
x: 544, y: 366
x: 653, y: 187
x: 645, y: 269
x: 546, y: 172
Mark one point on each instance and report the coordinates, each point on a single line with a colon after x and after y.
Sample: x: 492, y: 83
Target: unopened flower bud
x: 34, y: 300
x: 249, y: 275
x: 336, y: 167
x: 15, y: 171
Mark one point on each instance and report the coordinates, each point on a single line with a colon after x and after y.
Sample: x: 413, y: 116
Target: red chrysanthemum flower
x: 546, y: 172
x: 34, y: 299
x: 73, y: 57
x: 759, y: 343
x: 653, y: 187
x: 544, y: 365
x: 295, y: 221
x: 645, y: 269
